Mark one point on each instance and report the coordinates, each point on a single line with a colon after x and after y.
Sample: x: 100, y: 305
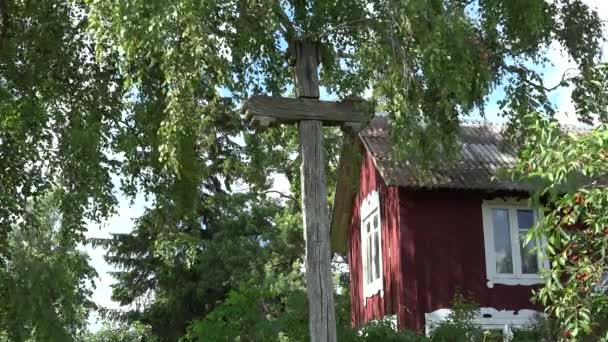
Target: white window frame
x: 369, y: 208
x: 517, y: 278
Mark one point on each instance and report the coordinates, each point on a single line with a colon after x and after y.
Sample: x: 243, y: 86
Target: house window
x: 509, y: 259
x: 371, y: 246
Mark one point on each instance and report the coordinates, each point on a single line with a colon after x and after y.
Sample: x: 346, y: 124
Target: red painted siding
x: 443, y: 232
x: 376, y: 306
x: 432, y: 246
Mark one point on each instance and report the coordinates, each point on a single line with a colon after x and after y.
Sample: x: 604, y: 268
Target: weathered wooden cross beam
x: 310, y: 114
x: 265, y: 111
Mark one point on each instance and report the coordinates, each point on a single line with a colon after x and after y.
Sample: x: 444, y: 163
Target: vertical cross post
x: 311, y: 114
x: 305, y: 58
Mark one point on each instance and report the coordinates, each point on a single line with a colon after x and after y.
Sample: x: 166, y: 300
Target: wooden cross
x: 309, y: 113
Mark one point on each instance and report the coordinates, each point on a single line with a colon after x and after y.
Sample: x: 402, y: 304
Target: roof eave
x: 347, y: 186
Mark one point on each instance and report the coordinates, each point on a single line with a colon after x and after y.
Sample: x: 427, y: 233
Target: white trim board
x: 517, y: 277
x: 487, y: 318
x: 370, y: 209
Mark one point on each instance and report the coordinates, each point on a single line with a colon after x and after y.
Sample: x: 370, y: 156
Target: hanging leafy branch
x: 430, y: 63
x: 147, y: 90
x: 567, y: 170
x: 56, y: 111
x: 164, y: 70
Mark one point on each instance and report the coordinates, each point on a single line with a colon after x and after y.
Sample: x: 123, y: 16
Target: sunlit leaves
x: 566, y: 169
x: 429, y: 63
x: 134, y: 332
x: 149, y: 90
x: 591, y: 95
x: 45, y: 285
x: 58, y: 111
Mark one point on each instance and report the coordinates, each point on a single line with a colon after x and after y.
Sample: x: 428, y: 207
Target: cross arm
x: 264, y: 111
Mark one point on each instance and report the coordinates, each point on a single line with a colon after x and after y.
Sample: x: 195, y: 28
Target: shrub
x: 384, y: 330
x: 541, y: 329
x: 459, y: 324
x: 254, y: 315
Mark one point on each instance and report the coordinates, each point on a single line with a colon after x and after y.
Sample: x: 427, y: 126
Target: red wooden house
x: 413, y: 241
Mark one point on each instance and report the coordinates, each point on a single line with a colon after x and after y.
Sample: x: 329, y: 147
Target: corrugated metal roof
x: 482, y: 155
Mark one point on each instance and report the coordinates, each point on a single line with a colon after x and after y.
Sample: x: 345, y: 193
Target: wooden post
x: 322, y: 319
x: 311, y: 114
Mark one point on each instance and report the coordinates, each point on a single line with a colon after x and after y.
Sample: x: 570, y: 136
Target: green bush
x: 241, y: 316
x: 541, y: 329
x: 383, y: 330
x: 254, y: 315
x: 459, y: 324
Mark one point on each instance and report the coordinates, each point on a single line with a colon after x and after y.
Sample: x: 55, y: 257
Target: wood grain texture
x: 322, y: 318
x: 310, y: 114
x: 305, y: 58
x: 348, y: 113
x: 347, y: 186
x: 319, y: 285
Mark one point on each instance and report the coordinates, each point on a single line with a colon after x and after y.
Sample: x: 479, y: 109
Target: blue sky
x: 122, y: 221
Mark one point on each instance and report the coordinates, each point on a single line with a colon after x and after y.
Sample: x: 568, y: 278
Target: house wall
x: 432, y: 247
x: 443, y: 251
x: 388, y: 304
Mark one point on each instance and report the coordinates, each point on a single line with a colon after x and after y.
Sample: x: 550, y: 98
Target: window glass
x: 529, y: 258
x: 369, y: 260
x: 525, y: 219
x: 502, y: 241
x: 376, y: 254
x: 371, y: 245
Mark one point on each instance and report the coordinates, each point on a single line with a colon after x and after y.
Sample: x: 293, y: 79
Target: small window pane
x: 529, y: 258
x: 367, y: 226
x: 376, y: 255
x: 369, y: 260
x: 525, y: 219
x: 376, y: 221
x: 502, y: 241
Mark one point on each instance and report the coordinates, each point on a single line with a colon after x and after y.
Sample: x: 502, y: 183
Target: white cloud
x: 280, y: 183
x: 367, y: 94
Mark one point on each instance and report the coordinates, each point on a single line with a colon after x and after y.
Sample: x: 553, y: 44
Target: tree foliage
x: 134, y: 332
x: 148, y: 91
x: 45, y: 284
x: 58, y: 109
x: 568, y: 171
x: 179, y: 272
x: 430, y: 63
